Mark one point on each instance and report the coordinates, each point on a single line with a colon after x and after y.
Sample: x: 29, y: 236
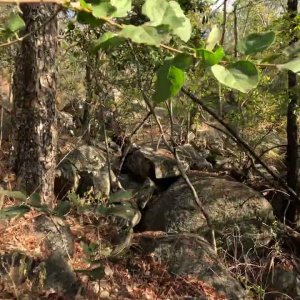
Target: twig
x: 20, y: 39
x: 173, y: 150
x: 224, y: 22
x: 242, y: 143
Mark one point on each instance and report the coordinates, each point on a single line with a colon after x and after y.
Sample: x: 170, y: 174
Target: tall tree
x: 34, y: 90
x: 292, y: 127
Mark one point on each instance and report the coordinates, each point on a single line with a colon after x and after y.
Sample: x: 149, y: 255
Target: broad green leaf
x: 242, y: 75
x: 183, y: 61
x: 63, y: 208
x: 120, y: 196
x: 169, y: 81
x: 122, y: 6
x: 89, y: 249
x: 293, y: 65
x: 155, y: 10
x: 162, y: 12
x: 106, y: 41
x: 35, y: 199
x: 142, y: 34
x: 13, y: 211
x: 210, y: 58
x: 256, y: 42
x: 94, y: 274
x: 84, y: 5
x: 176, y: 77
x: 87, y: 18
x: 103, y: 9
x: 15, y: 23
x: 178, y: 22
x: 14, y: 194
x: 123, y: 210
x: 213, y: 38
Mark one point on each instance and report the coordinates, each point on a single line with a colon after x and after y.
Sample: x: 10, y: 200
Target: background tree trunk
x: 292, y: 127
x: 34, y: 90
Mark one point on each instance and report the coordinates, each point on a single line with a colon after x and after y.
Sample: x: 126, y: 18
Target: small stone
x: 104, y: 295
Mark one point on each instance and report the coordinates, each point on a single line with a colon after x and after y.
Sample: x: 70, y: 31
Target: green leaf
x: 84, y: 5
x: 213, y: 38
x: 210, y: 58
x: 142, y: 34
x: 169, y: 81
x: 183, y: 61
x: 176, y: 77
x: 107, y: 41
x: 161, y: 12
x: 122, y: 7
x: 14, y: 211
x: 155, y: 10
x: 242, y: 75
x: 120, y: 196
x: 15, y: 23
x: 63, y: 208
x: 256, y: 42
x: 87, y: 18
x: 94, y: 274
x: 14, y: 194
x: 103, y: 9
x: 123, y: 210
x: 293, y: 65
x: 35, y: 199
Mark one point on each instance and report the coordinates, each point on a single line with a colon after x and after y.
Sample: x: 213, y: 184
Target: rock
x: 143, y: 190
x: 283, y: 283
x: 15, y: 266
x: 238, y: 213
x: 56, y: 274
x: 58, y: 236
x: 193, y: 158
x: 190, y: 254
x: 146, y: 162
x: 84, y: 169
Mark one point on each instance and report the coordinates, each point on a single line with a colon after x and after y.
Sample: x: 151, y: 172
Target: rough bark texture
x: 292, y: 127
x: 34, y: 90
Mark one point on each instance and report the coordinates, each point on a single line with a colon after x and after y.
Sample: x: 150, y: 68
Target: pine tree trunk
x: 292, y: 126
x: 34, y: 92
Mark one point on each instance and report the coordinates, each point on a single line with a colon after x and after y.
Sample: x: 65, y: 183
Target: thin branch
x: 224, y: 22
x: 20, y: 39
x: 243, y: 144
x: 173, y: 150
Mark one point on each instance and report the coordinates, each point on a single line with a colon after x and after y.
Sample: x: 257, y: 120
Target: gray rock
x: 147, y: 162
x: 55, y: 273
x: 15, y: 266
x: 283, y: 283
x: 193, y: 158
x: 239, y: 214
x: 58, y: 236
x: 84, y: 169
x: 190, y: 254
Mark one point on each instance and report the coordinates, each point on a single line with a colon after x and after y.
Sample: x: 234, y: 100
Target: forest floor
x: 145, y: 279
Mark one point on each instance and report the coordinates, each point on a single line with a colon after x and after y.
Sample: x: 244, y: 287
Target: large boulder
x: 159, y: 164
x: 191, y: 255
x: 83, y: 169
x: 239, y: 214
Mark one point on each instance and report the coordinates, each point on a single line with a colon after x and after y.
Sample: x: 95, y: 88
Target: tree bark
x: 292, y: 126
x: 34, y: 113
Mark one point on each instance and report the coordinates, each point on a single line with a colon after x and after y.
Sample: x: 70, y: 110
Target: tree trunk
x: 292, y: 127
x: 34, y: 91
